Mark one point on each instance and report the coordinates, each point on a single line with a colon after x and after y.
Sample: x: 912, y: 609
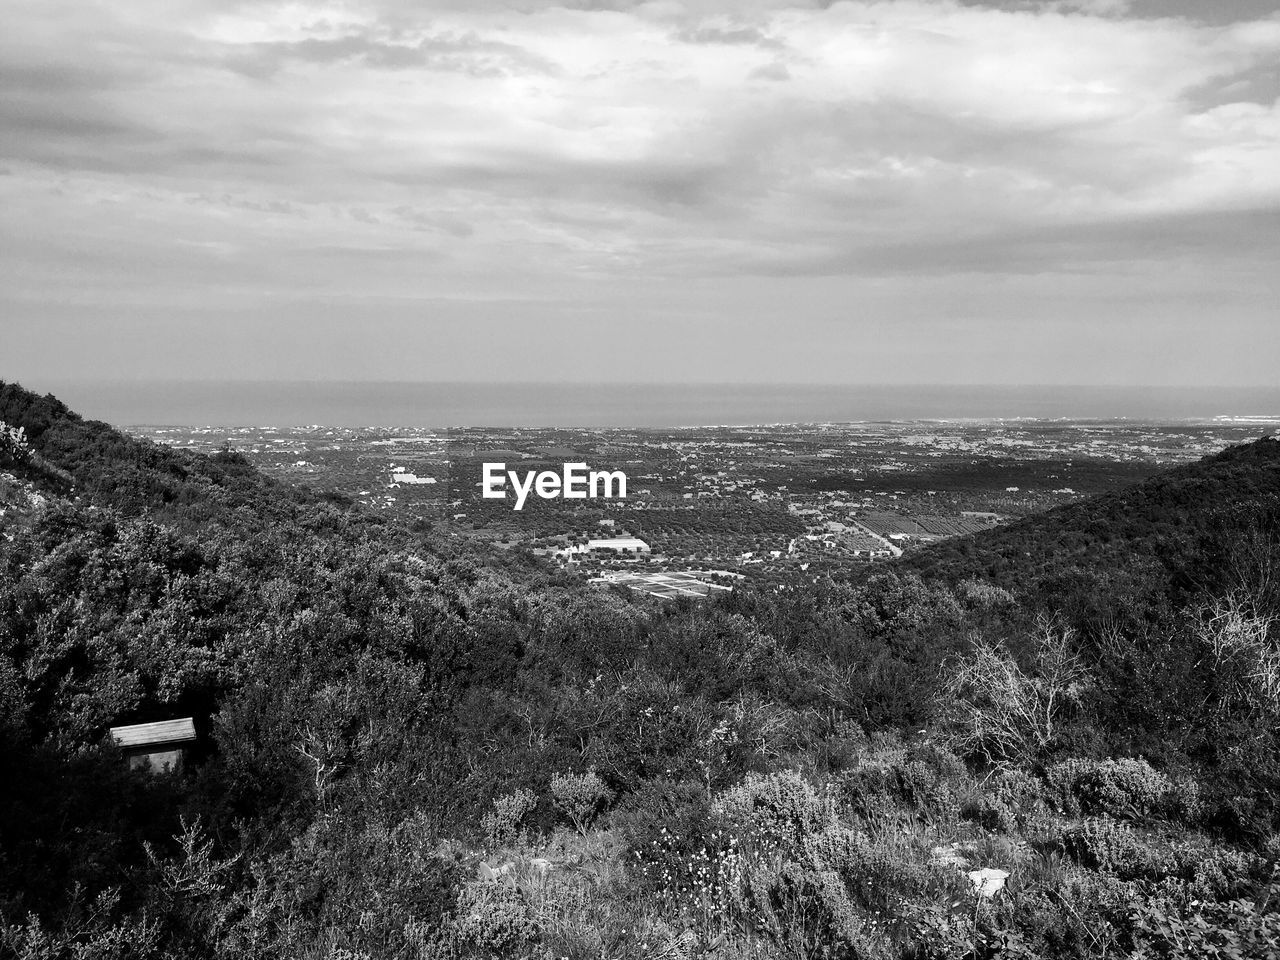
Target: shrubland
x: 1058, y: 740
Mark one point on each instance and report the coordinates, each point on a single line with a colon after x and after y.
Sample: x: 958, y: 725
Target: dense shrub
x: 802, y: 910
x: 1242, y: 929
x: 1113, y: 847
x: 503, y: 824
x: 580, y: 796
x: 780, y: 805
x: 493, y: 920
x: 1119, y: 788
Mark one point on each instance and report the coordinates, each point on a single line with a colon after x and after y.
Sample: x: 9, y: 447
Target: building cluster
x: 621, y: 548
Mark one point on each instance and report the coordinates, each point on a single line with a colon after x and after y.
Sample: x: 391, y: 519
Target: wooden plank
x: 163, y: 731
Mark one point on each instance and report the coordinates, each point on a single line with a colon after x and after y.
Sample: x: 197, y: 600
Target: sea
x: 508, y: 404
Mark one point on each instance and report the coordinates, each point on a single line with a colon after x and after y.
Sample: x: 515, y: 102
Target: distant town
x: 708, y: 507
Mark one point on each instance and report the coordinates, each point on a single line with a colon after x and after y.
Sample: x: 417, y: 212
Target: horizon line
x: 124, y: 382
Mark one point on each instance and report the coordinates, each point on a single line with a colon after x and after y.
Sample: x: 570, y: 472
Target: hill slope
x: 136, y: 477
x: 381, y: 723
x: 1191, y: 527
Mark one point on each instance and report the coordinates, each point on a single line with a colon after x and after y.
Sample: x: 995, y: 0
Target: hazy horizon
x: 447, y: 404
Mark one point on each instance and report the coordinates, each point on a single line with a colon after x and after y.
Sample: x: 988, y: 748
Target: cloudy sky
x: 684, y: 190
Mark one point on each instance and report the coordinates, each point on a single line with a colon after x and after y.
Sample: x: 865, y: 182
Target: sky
x: 907, y: 191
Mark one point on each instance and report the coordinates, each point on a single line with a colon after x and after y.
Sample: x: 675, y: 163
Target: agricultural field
x: 922, y: 526
x: 774, y: 504
x: 666, y: 586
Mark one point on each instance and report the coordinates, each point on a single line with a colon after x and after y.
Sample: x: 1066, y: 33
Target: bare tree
x: 1242, y: 648
x: 1003, y: 714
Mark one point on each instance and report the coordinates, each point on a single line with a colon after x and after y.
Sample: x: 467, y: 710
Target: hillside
x: 404, y: 752
x: 1191, y: 528
x: 110, y: 469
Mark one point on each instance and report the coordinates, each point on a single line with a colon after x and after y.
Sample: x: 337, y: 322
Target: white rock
x: 988, y: 881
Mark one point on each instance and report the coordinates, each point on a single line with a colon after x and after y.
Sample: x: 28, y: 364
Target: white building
x: 622, y: 546
x: 618, y: 545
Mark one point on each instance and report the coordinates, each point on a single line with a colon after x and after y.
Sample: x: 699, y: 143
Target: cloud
x: 657, y: 139
x: 461, y: 53
x: 772, y: 71
x: 1247, y: 239
x: 713, y: 33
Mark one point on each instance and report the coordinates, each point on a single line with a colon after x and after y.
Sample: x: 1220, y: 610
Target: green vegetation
x: 1056, y: 739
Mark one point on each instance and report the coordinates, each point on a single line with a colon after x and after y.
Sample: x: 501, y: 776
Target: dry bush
x: 1245, y: 654
x: 1004, y: 715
